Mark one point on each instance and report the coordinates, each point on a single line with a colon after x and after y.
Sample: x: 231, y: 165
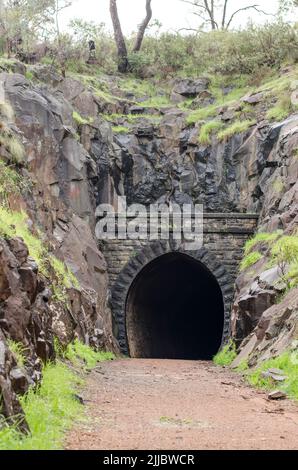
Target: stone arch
x: 143, y: 258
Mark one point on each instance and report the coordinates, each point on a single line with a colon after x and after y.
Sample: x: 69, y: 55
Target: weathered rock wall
x: 265, y: 326
x: 77, y: 164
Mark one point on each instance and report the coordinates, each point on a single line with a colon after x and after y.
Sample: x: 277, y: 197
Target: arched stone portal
x: 171, y: 303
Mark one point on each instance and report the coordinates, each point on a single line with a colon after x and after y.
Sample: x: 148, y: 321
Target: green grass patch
x: 202, y: 114
x: 139, y: 88
x: 18, y: 351
x: 261, y: 238
x: 250, y: 260
x: 13, y: 146
x: 65, y: 279
x: 278, y: 185
x: 29, y: 75
x: 207, y: 130
x: 80, y: 120
x: 243, y: 366
x: 226, y: 355
x: 14, y: 224
x: 11, y: 183
x: 156, y: 102
x: 237, y: 127
x: 281, y: 110
x: 49, y: 410
x: 77, y: 352
x: 52, y: 407
x: 288, y: 363
x: 131, y: 118
x: 120, y: 129
x: 6, y: 110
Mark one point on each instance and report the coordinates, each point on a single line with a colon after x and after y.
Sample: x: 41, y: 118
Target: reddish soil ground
x: 173, y: 405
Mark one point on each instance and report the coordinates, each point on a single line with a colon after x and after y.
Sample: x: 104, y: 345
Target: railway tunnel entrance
x: 174, y: 310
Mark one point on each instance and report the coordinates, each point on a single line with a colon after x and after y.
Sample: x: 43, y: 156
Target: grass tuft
x: 237, y: 127
x: 226, y: 355
x: 78, y: 352
x: 11, y: 183
x: 120, y: 129
x: 18, y: 351
x: 80, y: 120
x: 261, y: 238
x: 250, y: 260
x: 206, y: 131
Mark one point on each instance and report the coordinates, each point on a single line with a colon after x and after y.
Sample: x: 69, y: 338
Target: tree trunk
x: 119, y: 38
x: 143, y: 26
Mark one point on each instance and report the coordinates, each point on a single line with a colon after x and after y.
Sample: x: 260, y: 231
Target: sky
x: 173, y: 14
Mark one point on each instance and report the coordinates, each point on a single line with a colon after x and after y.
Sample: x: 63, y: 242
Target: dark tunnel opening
x: 175, y: 310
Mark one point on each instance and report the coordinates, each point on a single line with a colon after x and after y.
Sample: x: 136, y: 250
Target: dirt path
x: 152, y: 404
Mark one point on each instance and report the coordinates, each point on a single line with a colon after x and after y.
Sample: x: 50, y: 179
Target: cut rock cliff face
x: 76, y: 161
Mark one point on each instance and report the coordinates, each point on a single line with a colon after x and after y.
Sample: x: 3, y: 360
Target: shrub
x: 285, y: 250
x: 138, y: 62
x: 226, y: 355
x: 284, y: 253
x: 250, y: 260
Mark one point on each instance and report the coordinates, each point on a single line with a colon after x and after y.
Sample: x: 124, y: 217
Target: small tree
x: 22, y: 21
x: 123, y: 63
x: 215, y: 13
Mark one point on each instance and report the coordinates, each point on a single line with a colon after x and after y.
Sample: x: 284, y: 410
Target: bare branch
x: 250, y: 7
